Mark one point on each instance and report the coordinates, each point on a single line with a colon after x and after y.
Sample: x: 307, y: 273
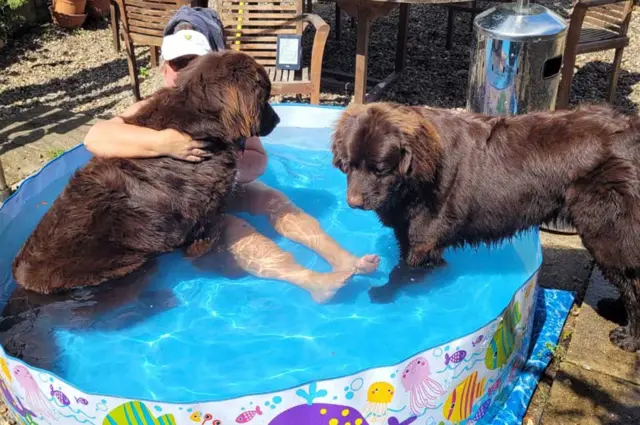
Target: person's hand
x: 181, y: 146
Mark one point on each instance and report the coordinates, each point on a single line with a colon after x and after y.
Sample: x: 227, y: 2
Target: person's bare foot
x: 363, y: 265
x: 325, y: 285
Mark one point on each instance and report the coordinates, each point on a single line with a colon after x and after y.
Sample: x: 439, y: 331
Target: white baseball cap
x: 184, y: 43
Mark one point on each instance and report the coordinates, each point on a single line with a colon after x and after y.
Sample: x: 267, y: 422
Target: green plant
x: 10, y: 18
x: 53, y: 154
x: 144, y: 72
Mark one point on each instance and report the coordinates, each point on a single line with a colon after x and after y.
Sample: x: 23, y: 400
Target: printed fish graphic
x: 482, y: 410
x: 82, y: 401
x: 60, y: 396
x: 504, y: 340
x: 493, y: 388
x: 248, y: 415
x: 136, y: 413
x: 527, y: 292
x: 478, y: 340
x: 457, y: 357
x: 459, y: 404
x: 517, y: 317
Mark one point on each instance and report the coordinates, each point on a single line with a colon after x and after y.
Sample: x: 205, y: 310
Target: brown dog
x: 115, y: 214
x: 444, y: 179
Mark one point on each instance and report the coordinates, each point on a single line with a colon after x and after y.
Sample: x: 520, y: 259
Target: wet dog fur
x: 443, y: 179
x: 115, y: 214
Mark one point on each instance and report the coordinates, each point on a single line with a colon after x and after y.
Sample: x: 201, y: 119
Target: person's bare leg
x: 293, y: 223
x: 261, y: 257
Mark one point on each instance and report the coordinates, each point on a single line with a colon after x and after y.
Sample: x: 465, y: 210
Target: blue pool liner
x: 552, y: 310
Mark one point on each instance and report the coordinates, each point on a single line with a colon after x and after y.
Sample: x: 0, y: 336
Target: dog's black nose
x: 355, y: 201
x: 268, y: 121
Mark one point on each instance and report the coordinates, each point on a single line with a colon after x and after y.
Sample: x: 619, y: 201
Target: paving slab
x: 587, y: 397
x: 29, y: 140
x: 590, y: 346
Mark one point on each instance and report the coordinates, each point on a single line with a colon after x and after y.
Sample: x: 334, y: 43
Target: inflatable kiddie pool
x: 180, y: 343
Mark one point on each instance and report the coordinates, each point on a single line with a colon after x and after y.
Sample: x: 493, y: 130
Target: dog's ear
x: 420, y: 146
x: 344, y: 128
x: 405, y: 161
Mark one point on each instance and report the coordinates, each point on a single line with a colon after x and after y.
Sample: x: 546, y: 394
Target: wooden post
x: 362, y: 52
x: 401, y: 47
x: 4, y: 189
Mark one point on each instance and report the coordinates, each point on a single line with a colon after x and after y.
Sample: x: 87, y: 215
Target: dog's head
x: 230, y: 90
x: 380, y: 147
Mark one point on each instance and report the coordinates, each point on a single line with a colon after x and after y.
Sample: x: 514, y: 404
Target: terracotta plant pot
x: 70, y: 7
x: 98, y: 8
x: 68, y: 21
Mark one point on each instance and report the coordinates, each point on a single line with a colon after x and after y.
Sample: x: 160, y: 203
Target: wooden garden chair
x: 595, y: 25
x: 143, y: 22
x: 253, y: 27
x: 470, y: 7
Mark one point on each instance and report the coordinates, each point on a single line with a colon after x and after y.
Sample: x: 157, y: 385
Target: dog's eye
x: 380, y: 170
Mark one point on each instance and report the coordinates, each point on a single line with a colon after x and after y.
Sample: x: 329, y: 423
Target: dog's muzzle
x: 268, y: 121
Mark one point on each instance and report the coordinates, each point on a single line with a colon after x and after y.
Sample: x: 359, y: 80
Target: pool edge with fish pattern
x: 458, y: 382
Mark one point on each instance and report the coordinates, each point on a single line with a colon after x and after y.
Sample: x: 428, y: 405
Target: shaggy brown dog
x: 444, y: 179
x: 115, y: 214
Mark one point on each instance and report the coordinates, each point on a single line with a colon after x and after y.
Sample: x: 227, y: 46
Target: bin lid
x: 510, y: 21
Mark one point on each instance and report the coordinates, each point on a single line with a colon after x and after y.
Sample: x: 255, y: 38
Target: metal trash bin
x: 516, y: 58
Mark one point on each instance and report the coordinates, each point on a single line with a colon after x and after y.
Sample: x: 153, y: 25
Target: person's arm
x: 116, y: 139
x: 253, y: 162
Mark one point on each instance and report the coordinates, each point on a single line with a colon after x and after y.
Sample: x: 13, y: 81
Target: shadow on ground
x: 583, y: 391
x: 591, y: 85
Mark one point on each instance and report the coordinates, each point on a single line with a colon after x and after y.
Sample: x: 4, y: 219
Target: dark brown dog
x: 442, y: 179
x: 115, y: 214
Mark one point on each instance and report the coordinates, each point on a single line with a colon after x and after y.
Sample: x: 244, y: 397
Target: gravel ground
x: 81, y: 72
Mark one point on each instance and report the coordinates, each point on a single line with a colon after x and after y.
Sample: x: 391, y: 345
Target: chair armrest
x: 318, y: 23
x: 319, y: 42
x: 595, y: 3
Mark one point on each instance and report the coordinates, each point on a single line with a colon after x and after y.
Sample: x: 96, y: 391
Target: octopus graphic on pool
x: 422, y: 389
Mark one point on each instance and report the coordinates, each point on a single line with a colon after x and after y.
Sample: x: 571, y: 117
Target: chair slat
x: 150, y: 6
x: 596, y: 34
x: 148, y: 18
x: 155, y: 13
x: 253, y: 28
x: 259, y: 31
x: 258, y: 46
x: 146, y: 31
x: 147, y: 24
x: 259, y: 15
x: 266, y: 62
x: 260, y: 53
x: 284, y: 23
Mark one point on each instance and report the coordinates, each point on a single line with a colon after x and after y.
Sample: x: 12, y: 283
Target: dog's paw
x: 419, y: 260
x: 199, y: 248
x: 621, y: 338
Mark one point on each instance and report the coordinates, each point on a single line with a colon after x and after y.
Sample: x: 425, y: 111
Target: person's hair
x: 183, y: 25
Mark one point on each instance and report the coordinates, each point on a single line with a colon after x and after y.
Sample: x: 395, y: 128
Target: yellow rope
x: 239, y: 26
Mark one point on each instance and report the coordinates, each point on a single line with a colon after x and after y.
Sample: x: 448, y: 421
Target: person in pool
x: 190, y: 33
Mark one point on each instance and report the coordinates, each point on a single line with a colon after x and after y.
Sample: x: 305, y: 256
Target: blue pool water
x: 185, y: 333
